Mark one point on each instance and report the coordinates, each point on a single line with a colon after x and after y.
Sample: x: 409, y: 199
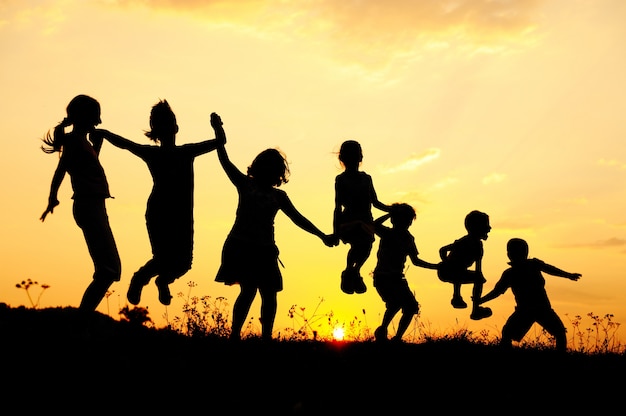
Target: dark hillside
x: 54, y: 361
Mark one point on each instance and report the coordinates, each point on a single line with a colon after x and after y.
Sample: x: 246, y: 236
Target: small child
x: 396, y: 244
x: 459, y: 256
x: 250, y: 254
x: 79, y: 150
x: 169, y: 210
x: 532, y: 304
x: 352, y: 218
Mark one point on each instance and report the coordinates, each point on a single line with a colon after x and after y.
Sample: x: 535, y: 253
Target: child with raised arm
x: 352, y: 218
x: 459, y: 256
x: 169, y: 210
x: 79, y: 151
x: 250, y: 255
x: 525, y: 280
x: 396, y: 244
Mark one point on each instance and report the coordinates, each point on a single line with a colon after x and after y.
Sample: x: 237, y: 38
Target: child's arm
x: 378, y: 221
x: 422, y: 263
x: 301, y: 221
x: 233, y: 173
x: 555, y: 271
x: 443, y: 251
x: 338, y: 209
x: 497, y: 290
x: 96, y: 141
x: 57, y: 179
x: 117, y: 140
x: 376, y: 202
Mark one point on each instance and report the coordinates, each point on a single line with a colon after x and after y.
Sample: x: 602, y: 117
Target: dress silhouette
x: 250, y: 255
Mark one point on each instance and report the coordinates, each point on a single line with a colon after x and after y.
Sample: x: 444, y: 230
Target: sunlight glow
x: 338, y: 334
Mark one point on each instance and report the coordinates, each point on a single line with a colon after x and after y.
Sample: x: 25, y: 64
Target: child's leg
x: 380, y: 334
x: 268, y: 312
x: 478, y: 312
x: 457, y: 299
x: 94, y: 294
x: 477, y: 293
x: 358, y: 254
x: 241, y: 309
x: 403, y: 325
x: 140, y: 279
x: 551, y: 322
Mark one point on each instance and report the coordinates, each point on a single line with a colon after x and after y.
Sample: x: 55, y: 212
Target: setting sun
x: 338, y: 334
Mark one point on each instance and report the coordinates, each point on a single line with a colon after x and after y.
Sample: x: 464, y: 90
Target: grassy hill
x: 56, y: 360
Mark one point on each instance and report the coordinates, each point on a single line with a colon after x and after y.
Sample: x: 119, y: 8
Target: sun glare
x: 338, y: 334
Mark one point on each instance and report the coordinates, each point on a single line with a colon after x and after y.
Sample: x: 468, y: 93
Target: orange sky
x: 512, y: 108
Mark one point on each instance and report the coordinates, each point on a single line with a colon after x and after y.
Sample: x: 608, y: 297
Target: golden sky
x: 514, y: 108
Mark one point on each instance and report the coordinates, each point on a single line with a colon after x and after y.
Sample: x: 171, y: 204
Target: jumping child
x: 169, y: 210
x: 459, y: 256
x: 352, y: 217
x: 79, y: 151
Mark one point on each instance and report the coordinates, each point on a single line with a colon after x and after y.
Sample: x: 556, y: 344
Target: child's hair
x: 350, y: 153
x: 81, y: 108
x: 517, y: 249
x: 402, y: 213
x: 476, y: 221
x: 270, y: 167
x: 162, y: 121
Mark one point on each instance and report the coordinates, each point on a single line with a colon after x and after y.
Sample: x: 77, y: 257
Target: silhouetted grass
x: 60, y: 360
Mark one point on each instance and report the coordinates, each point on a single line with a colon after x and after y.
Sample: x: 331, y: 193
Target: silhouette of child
x: 250, y: 254
x: 532, y: 304
x: 459, y: 256
x: 396, y: 244
x: 169, y: 210
x: 79, y: 159
x: 352, y: 217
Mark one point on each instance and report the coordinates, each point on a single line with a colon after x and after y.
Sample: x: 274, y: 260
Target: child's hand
x: 216, y: 121
x: 330, y: 240
x: 49, y: 209
x: 574, y: 276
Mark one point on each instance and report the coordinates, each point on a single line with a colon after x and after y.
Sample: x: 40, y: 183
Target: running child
x: 527, y: 283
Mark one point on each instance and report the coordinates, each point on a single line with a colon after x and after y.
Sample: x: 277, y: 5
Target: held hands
x: 50, y: 209
x: 216, y: 123
x: 330, y: 240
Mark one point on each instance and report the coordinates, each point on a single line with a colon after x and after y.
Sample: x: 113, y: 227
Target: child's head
x: 270, y: 168
x: 477, y: 224
x: 517, y: 249
x: 350, y: 154
x: 162, y: 122
x: 83, y: 111
x: 402, y: 215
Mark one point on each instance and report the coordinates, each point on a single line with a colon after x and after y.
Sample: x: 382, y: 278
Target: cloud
x: 608, y: 243
x: 444, y: 183
x: 612, y: 163
x: 413, y: 162
x: 494, y: 178
x: 374, y: 32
